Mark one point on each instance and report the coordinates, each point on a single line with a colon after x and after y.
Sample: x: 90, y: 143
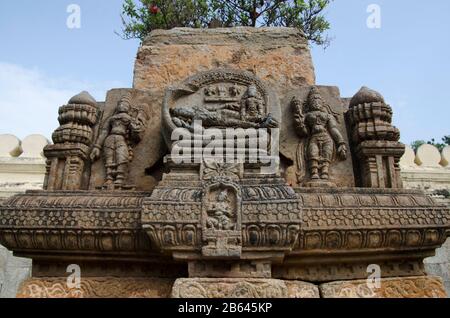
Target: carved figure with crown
x: 116, y: 137
x: 316, y: 121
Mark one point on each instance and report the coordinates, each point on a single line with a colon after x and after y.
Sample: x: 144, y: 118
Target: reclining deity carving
x: 118, y: 135
x: 316, y: 122
x: 249, y: 112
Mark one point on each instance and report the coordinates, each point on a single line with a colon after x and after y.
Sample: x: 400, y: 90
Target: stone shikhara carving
x: 67, y: 158
x: 118, y: 134
x: 316, y: 122
x: 376, y: 141
x: 233, y: 228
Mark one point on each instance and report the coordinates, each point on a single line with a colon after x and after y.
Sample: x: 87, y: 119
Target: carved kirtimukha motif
x: 117, y: 136
x: 316, y: 123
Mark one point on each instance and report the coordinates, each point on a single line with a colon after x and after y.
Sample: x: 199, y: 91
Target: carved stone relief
x: 219, y: 99
x: 125, y: 147
x: 313, y: 143
x: 221, y: 219
x: 117, y: 137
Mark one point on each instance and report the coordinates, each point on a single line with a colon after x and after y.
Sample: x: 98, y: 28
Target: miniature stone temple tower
x: 226, y: 172
x: 68, y: 156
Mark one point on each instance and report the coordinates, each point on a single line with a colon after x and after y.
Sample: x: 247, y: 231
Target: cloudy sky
x: 43, y: 62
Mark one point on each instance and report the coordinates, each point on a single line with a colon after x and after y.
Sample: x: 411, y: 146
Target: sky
x: 43, y: 62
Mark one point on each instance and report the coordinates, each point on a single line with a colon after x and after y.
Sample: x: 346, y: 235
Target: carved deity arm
x: 104, y: 132
x: 243, y: 110
x: 261, y: 109
x: 334, y: 132
x: 300, y: 125
x: 338, y: 138
x: 95, y: 154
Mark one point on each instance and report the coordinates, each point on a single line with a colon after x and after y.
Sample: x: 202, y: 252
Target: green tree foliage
x: 439, y: 145
x: 140, y: 17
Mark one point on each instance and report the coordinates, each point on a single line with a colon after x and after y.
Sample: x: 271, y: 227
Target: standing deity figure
x: 319, y: 124
x: 116, y: 137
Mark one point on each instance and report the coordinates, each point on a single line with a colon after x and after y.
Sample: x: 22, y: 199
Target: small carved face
x: 316, y: 105
x: 252, y: 91
x: 123, y: 107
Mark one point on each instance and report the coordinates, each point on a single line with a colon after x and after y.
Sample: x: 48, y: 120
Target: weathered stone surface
x: 242, y: 288
x: 408, y: 287
x: 279, y: 56
x: 102, y: 287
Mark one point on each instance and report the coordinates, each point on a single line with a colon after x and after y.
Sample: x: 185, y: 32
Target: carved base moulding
x: 96, y: 287
x: 242, y: 288
x: 408, y: 287
x: 113, y: 287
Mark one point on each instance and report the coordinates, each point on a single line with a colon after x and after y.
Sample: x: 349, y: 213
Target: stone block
x: 408, y: 287
x: 242, y: 288
x: 279, y: 56
x: 104, y: 287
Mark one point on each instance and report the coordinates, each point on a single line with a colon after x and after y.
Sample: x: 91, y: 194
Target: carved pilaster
x: 375, y: 141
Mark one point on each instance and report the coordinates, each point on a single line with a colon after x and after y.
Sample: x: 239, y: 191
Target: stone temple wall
x: 22, y: 167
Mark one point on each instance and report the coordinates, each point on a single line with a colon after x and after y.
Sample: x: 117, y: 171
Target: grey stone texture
x: 13, y: 271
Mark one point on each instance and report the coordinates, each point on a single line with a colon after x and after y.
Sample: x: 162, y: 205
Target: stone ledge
x: 227, y: 36
x: 408, y: 287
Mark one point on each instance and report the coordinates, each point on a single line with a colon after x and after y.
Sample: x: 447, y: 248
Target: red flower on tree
x: 153, y: 9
